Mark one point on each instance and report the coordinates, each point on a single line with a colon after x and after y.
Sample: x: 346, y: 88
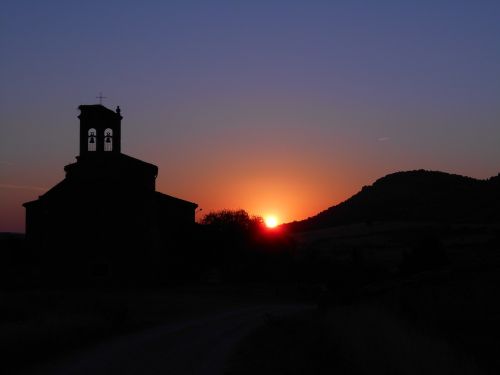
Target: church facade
x: 106, y: 213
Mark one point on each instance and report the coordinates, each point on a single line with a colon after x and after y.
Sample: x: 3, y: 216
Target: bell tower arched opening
x: 108, y: 140
x: 91, y: 140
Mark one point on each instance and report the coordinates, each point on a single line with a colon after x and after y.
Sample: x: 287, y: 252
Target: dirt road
x: 198, y: 346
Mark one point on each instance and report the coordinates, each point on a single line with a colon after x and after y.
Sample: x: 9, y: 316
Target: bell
x: 108, y: 140
x: 91, y: 140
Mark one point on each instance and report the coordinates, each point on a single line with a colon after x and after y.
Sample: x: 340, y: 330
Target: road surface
x: 196, y: 347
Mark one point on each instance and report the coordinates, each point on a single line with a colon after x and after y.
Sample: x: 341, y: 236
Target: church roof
x: 170, y: 199
x: 57, y: 188
x: 131, y: 160
x: 115, y: 159
x: 161, y: 197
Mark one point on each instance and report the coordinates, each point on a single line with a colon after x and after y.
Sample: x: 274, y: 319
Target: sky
x: 275, y: 107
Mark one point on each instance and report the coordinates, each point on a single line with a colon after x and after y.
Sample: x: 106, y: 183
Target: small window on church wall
x: 108, y: 140
x: 92, y: 140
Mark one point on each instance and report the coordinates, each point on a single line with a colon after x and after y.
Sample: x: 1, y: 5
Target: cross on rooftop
x: 100, y: 97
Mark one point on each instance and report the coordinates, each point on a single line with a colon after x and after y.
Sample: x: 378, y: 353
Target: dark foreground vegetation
x: 354, y: 340
x: 395, y: 295
x: 389, y: 295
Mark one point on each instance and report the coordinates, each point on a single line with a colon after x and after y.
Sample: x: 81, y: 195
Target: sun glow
x: 271, y: 221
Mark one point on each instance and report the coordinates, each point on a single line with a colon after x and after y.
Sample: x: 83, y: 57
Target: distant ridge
x: 418, y: 195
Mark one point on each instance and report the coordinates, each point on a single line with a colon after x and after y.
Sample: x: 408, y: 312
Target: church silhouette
x: 106, y: 219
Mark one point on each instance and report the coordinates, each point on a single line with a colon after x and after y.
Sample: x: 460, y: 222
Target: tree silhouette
x: 242, y: 250
x: 233, y: 221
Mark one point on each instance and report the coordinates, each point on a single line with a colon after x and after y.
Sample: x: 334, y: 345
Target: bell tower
x: 100, y: 130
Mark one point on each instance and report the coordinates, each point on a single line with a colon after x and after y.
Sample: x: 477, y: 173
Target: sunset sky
x: 276, y: 107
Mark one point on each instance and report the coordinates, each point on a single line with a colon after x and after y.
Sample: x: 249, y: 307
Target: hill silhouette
x: 418, y: 195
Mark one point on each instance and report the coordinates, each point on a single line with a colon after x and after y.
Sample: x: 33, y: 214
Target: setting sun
x: 271, y: 221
